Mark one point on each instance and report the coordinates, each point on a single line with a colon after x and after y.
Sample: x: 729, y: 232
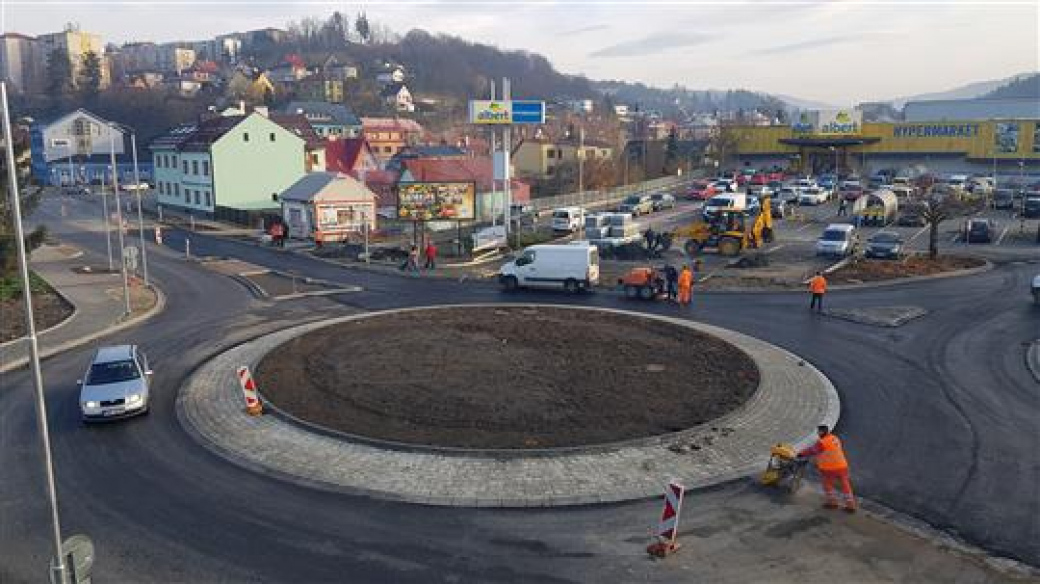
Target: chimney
x: 261, y: 109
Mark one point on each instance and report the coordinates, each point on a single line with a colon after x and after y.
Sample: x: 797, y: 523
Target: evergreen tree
x: 29, y: 199
x: 90, y: 74
x: 59, y: 73
x: 362, y: 27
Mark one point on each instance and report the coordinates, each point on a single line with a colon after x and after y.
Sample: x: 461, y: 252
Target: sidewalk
x: 98, y: 302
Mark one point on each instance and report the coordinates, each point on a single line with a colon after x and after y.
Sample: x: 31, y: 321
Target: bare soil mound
x: 508, y: 377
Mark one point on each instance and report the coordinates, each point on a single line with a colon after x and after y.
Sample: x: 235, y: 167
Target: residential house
x: 74, y: 45
x: 391, y: 74
x: 539, y: 158
x: 22, y: 63
x: 314, y: 145
x: 227, y: 163
x: 490, y: 195
x: 328, y: 207
x: 332, y: 68
x: 430, y: 151
x: 351, y: 156
x: 329, y: 120
x: 318, y: 87
x: 398, y: 97
x: 76, y: 148
x: 388, y: 136
x: 147, y: 56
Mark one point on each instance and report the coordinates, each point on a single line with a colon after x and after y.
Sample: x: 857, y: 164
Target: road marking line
x: 916, y: 235
x: 1002, y: 234
x: 804, y: 227
x: 955, y: 238
x: 775, y: 247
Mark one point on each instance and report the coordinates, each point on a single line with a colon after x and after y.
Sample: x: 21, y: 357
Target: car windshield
x: 561, y: 215
x: 885, y: 238
x: 657, y: 197
x: 833, y: 235
x: 632, y: 200
x: 719, y: 202
x: 112, y: 372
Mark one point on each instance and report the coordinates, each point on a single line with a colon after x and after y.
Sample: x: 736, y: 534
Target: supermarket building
x: 821, y: 141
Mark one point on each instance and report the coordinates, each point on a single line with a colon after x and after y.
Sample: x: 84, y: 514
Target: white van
x: 838, y: 239
x: 718, y: 203
x: 568, y: 219
x: 572, y: 267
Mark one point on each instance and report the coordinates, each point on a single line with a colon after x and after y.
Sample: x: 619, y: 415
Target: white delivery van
x: 568, y: 219
x: 572, y: 267
x: 727, y: 201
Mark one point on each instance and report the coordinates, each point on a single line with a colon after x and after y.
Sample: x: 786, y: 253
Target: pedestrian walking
x: 431, y: 256
x: 413, y: 259
x: 833, y: 467
x: 685, y: 286
x: 817, y: 287
x: 843, y: 207
x: 671, y: 278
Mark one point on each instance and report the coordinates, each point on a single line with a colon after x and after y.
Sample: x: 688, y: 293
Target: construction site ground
x: 433, y: 378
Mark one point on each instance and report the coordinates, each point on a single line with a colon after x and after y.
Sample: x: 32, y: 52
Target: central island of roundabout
x: 507, y: 405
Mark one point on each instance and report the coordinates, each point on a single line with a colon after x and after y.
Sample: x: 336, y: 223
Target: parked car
x: 911, y: 216
x: 568, y: 219
x: 115, y: 384
x: 725, y: 184
x: 661, y: 201
x: 573, y: 268
x: 980, y: 230
x: 850, y: 191
x: 1031, y: 205
x: 812, y: 196
x: 884, y: 244
x: 636, y: 205
x: 701, y: 191
x: 1036, y: 289
x: 827, y: 181
x: 838, y: 239
x: 725, y: 201
x: 788, y: 195
x: 1004, y: 199
x: 76, y: 191
x: 804, y: 183
x: 778, y: 208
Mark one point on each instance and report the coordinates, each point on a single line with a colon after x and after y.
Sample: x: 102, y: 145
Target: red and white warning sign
x: 667, y: 532
x: 254, y: 407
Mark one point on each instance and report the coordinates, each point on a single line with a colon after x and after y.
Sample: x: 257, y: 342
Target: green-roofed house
x: 237, y: 162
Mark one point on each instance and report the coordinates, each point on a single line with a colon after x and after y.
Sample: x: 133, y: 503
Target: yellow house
x: 540, y: 158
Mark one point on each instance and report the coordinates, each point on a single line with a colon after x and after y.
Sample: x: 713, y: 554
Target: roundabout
x: 508, y: 459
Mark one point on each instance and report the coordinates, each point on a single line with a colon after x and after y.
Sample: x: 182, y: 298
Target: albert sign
x: 506, y: 112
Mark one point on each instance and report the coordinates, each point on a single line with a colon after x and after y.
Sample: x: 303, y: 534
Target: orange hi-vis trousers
x: 827, y: 477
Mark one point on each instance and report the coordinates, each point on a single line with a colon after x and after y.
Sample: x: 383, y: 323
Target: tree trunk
x: 933, y: 240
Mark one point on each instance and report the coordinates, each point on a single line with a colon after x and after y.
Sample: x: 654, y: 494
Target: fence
x: 604, y: 197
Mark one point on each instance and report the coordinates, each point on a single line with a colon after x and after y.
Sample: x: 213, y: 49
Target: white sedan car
x: 115, y: 385
x: 812, y: 196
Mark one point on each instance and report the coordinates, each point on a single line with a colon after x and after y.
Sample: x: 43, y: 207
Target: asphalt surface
x: 941, y: 421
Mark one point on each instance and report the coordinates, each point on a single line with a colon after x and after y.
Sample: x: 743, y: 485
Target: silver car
x: 115, y: 385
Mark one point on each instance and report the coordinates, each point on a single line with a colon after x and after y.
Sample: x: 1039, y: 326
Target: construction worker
x: 431, y: 255
x: 817, y: 287
x: 685, y: 285
x: 671, y: 276
x: 832, y: 465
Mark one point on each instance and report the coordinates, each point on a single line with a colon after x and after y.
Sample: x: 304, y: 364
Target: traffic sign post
x: 667, y: 532
x: 78, y: 552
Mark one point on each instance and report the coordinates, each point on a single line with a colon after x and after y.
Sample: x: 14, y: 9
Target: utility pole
x: 119, y: 217
x: 140, y: 214
x: 507, y: 142
x: 494, y: 149
x: 59, y: 573
x: 581, y: 159
x: 104, y: 216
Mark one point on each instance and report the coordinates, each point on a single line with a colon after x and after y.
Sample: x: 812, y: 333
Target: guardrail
x: 605, y: 197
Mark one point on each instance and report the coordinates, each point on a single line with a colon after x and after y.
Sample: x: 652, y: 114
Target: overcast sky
x: 840, y: 52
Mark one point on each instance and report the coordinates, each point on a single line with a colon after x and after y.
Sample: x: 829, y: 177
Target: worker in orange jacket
x: 817, y: 287
x: 685, y: 286
x: 833, y: 466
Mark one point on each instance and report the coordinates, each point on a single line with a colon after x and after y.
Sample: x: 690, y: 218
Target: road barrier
x: 254, y: 407
x: 667, y: 532
x: 605, y: 197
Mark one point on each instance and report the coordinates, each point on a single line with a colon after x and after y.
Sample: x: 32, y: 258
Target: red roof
x: 478, y: 170
x: 344, y: 155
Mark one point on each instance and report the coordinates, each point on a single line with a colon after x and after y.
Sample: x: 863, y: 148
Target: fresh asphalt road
x: 940, y: 418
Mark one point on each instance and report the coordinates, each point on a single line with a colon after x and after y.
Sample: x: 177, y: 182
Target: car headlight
x: 133, y: 399
x: 90, y: 404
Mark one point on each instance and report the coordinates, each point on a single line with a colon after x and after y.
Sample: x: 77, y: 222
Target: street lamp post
x: 140, y: 214
x: 34, y: 349
x: 104, y: 217
x: 119, y: 218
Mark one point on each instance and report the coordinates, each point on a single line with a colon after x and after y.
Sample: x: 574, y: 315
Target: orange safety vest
x: 685, y: 279
x: 817, y: 285
x: 832, y: 457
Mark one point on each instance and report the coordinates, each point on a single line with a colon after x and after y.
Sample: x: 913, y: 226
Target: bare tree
x: 938, y: 208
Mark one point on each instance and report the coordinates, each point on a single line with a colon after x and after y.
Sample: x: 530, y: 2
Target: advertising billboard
x: 484, y: 111
x: 436, y: 201
x: 843, y: 122
x: 1006, y: 137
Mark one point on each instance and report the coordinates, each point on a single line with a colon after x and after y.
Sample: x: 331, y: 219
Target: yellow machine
x: 729, y: 231
x: 784, y: 469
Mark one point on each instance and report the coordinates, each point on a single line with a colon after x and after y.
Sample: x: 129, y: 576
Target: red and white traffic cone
x: 667, y: 532
x: 254, y: 406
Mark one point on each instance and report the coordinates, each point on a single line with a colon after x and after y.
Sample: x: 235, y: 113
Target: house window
x: 387, y: 149
x: 271, y: 136
x: 195, y: 167
x: 205, y: 168
x: 208, y: 200
x: 314, y: 159
x: 197, y: 197
x: 550, y: 153
x: 162, y: 191
x: 185, y: 167
x: 177, y: 190
x: 245, y: 136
